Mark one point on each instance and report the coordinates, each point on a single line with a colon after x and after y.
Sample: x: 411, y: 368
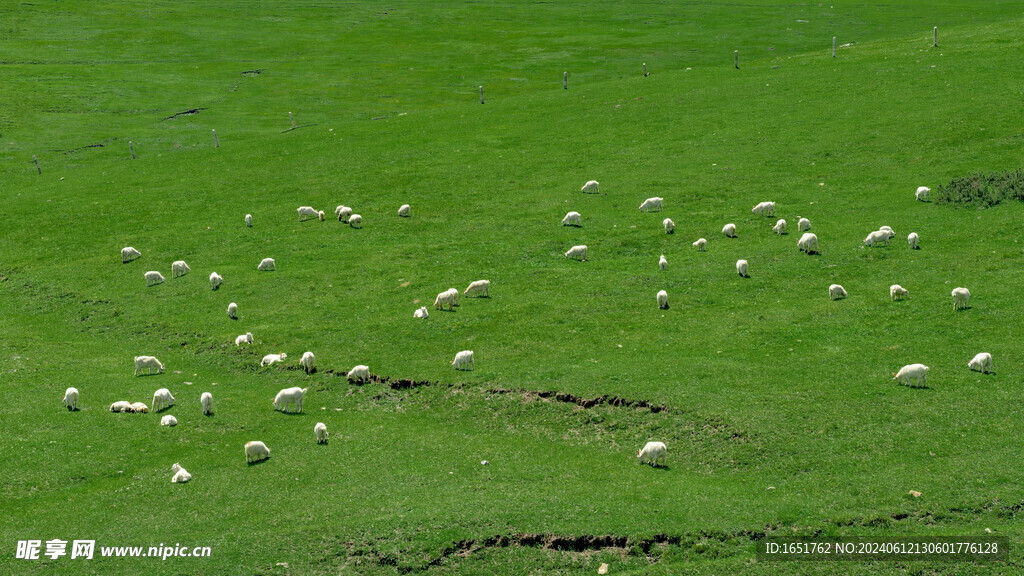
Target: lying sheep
x: 271, y: 358
x: 918, y: 372
x: 359, y: 373
x: 215, y: 280
x: 729, y: 230
x: 464, y: 360
x: 960, y: 298
x: 741, y: 268
x: 343, y: 213
x: 896, y: 292
x: 320, y: 431
x: 256, y: 451
x: 233, y: 311
x: 243, y: 339
x: 662, y: 263
x: 153, y: 278
x: 308, y: 212
x: 922, y: 193
x: 701, y: 244
x: 140, y: 408
x: 267, y: 265
x: 780, y: 227
x: 248, y: 220
x: 180, y: 474
x: 162, y: 399
x: 836, y: 292
x: 663, y: 300
x: 478, y: 288
x: 128, y: 254
x: 808, y: 243
x: 764, y: 209
x: 651, y: 205
x: 876, y: 237
x: 121, y: 406
x: 179, y: 268
x: 355, y: 221
x: 289, y: 396
x: 982, y: 362
x: 670, y: 226
x: 168, y: 421
x: 912, y: 240
x: 652, y: 453
x: 590, y: 187
x: 571, y: 219
x: 70, y: 399
x: 444, y: 298
x: 206, y: 400
x: 421, y: 312
x: 803, y: 225
x: 308, y: 362
x: 405, y: 211
x: 148, y: 362
x: 577, y: 253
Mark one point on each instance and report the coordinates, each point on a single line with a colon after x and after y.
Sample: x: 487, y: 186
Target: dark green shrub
x: 982, y: 189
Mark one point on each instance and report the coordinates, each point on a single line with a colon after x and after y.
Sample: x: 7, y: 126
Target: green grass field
x: 777, y: 405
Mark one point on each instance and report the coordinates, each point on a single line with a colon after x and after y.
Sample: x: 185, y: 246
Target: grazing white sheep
x: 71, y: 399
x: 121, y: 406
x: 168, y: 420
x: 233, y: 311
x: 888, y: 231
x: 662, y: 263
x: 405, y: 211
x: 455, y: 295
x: 343, y: 213
x: 243, y: 339
x: 256, y: 451
x: 289, y: 396
x: 153, y: 277
x: 577, y: 253
x: 808, y: 243
x: 355, y: 221
x: 836, y: 292
x: 215, y: 280
x: 780, y: 227
x: 478, y: 288
x: 320, y: 431
x: 590, y: 187
x: 918, y: 372
x: 206, y: 400
x: 308, y: 362
x: 982, y: 362
x: 148, y: 362
x: 960, y: 298
x: 651, y: 205
x: 248, y: 220
x: 701, y: 244
x: 652, y: 453
x: 803, y: 225
x: 128, y: 254
x: 266, y: 265
x: 359, y: 373
x: 922, y: 193
x: 729, y: 230
x: 179, y: 268
x: 162, y: 399
x: 741, y: 268
x: 180, y: 474
x: 308, y: 212
x: 444, y: 298
x: 670, y: 226
x: 271, y: 358
x: 571, y: 219
x: 878, y: 236
x: 421, y: 312
x: 912, y: 240
x: 764, y: 209
x: 896, y: 292
x: 140, y: 408
x: 464, y: 360
x: 663, y: 300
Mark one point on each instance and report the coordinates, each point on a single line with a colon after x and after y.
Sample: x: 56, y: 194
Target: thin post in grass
x: 645, y: 69
x: 36, y: 160
x: 481, y: 94
x: 935, y: 37
x: 736, y: 59
x: 565, y: 80
x: 132, y: 148
x: 292, y: 118
x: 833, y: 46
x: 216, y: 143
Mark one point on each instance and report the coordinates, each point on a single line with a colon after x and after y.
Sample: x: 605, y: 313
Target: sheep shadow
x: 661, y: 467
x: 164, y: 409
x: 291, y: 413
x: 148, y: 374
x: 257, y: 462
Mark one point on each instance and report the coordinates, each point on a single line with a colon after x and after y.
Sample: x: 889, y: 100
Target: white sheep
x: 662, y: 263
x: 918, y: 372
x: 308, y: 362
x: 206, y: 400
x: 445, y: 298
x: 571, y: 219
x: 455, y: 295
x: 878, y: 236
x: 248, y: 220
x: 663, y: 300
x: 729, y: 230
x: 741, y: 268
x: 960, y: 298
x: 478, y: 288
x: 179, y: 268
x: 359, y: 373
x: 464, y: 360
x: 888, y: 231
x: 233, y: 311
x: 70, y: 399
x: 577, y: 253
x: 355, y: 221
x: 836, y: 292
x: 215, y: 280
x: 701, y: 244
x: 651, y: 205
x: 168, y: 420
x: 421, y: 312
x: 405, y: 211
x: 271, y: 358
x: 121, y: 406
x: 256, y: 451
x: 307, y: 212
x: 243, y: 339
x: 148, y: 362
x: 320, y: 431
x: 803, y: 225
x: 140, y: 408
x: 780, y: 227
x: 128, y: 254
x: 922, y: 193
x: 267, y: 265
x: 590, y: 187
x: 764, y: 209
x: 912, y: 239
x: 153, y: 278
x: 180, y: 474
x: 808, y: 243
x: 652, y: 453
x: 162, y: 399
x: 289, y: 396
x: 982, y: 362
x: 896, y: 292
x: 343, y: 213
x: 670, y: 226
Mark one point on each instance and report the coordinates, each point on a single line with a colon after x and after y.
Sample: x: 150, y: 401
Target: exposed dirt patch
x: 73, y: 150
x: 583, y: 402
x: 251, y: 73
x: 185, y: 113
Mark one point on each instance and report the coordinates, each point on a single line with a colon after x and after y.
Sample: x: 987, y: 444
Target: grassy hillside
x: 756, y: 383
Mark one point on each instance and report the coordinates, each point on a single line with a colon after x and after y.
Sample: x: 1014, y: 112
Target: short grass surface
x: 777, y: 405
